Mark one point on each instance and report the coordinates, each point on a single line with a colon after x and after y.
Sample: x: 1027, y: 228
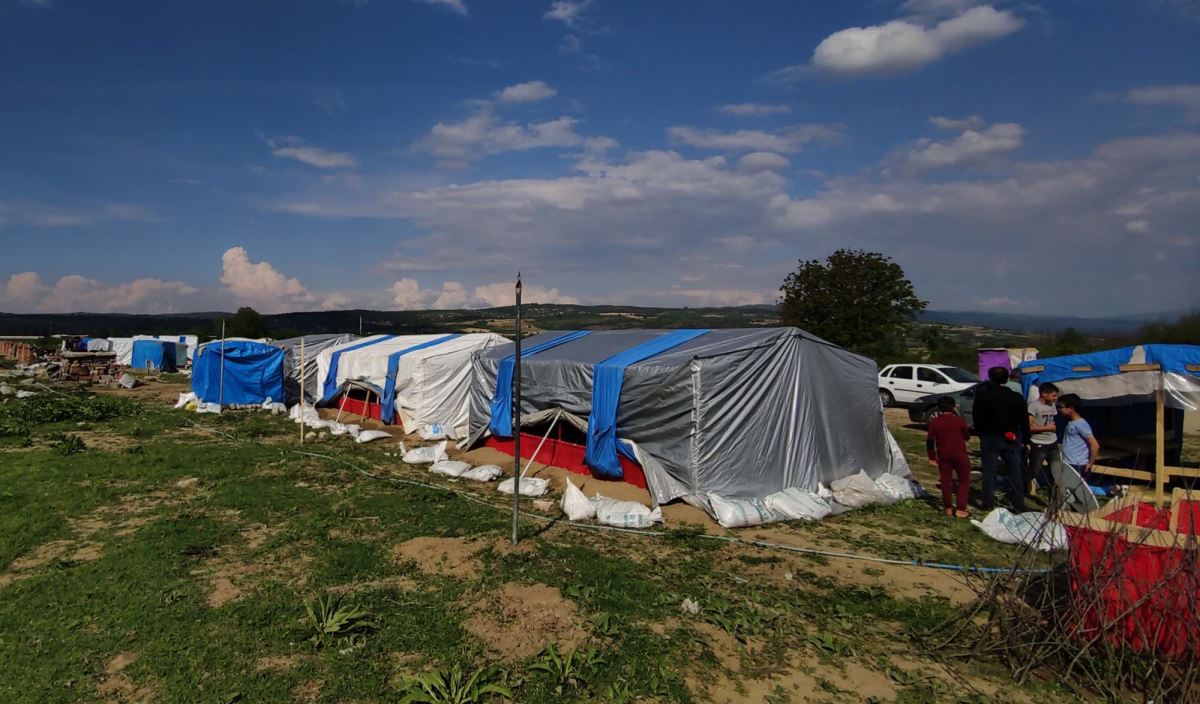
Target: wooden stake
x: 1160, y: 443
x: 301, y: 390
x: 516, y: 419
x: 221, y: 385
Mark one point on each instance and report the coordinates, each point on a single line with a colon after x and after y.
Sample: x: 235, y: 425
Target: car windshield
x: 959, y: 375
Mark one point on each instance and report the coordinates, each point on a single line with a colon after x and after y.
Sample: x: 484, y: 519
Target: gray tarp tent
x: 313, y: 346
x: 738, y: 413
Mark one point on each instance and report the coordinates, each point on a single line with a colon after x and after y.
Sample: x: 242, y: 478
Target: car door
x: 901, y: 383
x: 931, y: 381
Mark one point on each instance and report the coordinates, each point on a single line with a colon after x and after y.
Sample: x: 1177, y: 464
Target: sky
x: 1021, y: 157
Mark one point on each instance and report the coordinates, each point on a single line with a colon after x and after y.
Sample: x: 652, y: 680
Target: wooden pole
x: 301, y: 390
x: 516, y: 419
x: 1160, y: 443
x: 221, y: 385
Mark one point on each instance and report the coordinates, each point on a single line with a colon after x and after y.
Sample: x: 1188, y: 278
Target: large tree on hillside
x: 857, y: 299
x: 247, y: 322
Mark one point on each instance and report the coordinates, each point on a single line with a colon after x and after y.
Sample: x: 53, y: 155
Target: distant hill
x: 1117, y: 325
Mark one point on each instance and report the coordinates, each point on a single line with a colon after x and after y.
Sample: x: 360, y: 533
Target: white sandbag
x: 575, y: 504
x: 530, y: 486
x: 897, y: 487
x: 625, y: 514
x: 426, y: 455
x: 208, y: 408
x: 797, y: 504
x: 1030, y: 529
x: 185, y: 399
x: 483, y: 473
x: 858, y: 490
x: 369, y: 435
x: 23, y: 393
x: 432, y: 432
x: 739, y: 513
x: 273, y: 406
x: 449, y: 468
x: 6, y: 390
x: 128, y: 381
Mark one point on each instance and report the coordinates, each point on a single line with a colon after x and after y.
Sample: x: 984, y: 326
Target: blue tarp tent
x: 253, y: 372
x: 154, y: 354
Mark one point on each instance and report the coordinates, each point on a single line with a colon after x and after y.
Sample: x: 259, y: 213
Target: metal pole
x: 516, y: 419
x: 221, y: 386
x: 360, y: 326
x: 301, y: 391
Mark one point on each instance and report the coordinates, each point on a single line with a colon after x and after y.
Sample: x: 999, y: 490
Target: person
x: 1014, y: 381
x: 1079, y: 445
x: 1043, y: 434
x: 1002, y: 421
x: 946, y: 444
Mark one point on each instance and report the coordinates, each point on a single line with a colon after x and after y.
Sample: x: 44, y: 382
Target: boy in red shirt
x: 947, y: 447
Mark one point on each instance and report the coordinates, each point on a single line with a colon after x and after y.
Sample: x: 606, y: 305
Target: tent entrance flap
x: 501, y: 410
x: 329, y: 389
x: 388, y: 411
x: 607, y: 379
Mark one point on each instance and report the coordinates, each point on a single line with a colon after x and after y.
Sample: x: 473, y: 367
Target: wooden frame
x: 1131, y: 531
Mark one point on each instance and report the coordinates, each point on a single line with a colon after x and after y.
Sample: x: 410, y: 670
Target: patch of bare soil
x: 307, y: 692
x: 231, y: 577
x: 723, y: 645
x: 149, y: 390
x: 104, y: 440
x: 117, y: 685
x: 518, y: 620
x: 278, y: 663
x: 400, y: 583
x: 451, y: 557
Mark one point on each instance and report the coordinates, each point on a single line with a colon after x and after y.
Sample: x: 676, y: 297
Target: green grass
x: 148, y: 589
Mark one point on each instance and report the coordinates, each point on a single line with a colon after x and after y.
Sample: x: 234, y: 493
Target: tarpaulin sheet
x: 736, y: 412
x: 501, y: 414
x: 388, y: 401
x: 993, y: 358
x: 1098, y: 375
x: 608, y: 376
x: 295, y: 368
x: 154, y: 354
x: 253, y: 373
x: 329, y: 390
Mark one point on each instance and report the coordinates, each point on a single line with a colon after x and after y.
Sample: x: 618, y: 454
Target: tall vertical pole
x: 301, y: 391
x: 516, y: 419
x: 360, y: 326
x: 221, y: 386
x: 1160, y: 444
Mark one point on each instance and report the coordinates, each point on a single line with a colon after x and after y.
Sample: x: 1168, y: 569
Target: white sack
x: 793, y: 504
x: 450, y: 468
x: 6, y: 390
x: 625, y: 514
x: 22, y: 393
x: 426, y: 455
x: 739, y: 513
x: 898, y: 488
x: 530, y: 486
x: 1030, y: 529
x: 185, y: 399
x: 483, y: 473
x: 432, y: 432
x: 369, y: 435
x: 208, y: 408
x: 575, y: 505
x: 858, y: 490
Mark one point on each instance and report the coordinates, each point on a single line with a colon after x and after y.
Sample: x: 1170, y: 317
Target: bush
x: 57, y: 408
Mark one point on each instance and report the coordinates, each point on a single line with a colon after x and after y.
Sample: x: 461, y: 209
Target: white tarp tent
x: 431, y: 375
x: 123, y: 346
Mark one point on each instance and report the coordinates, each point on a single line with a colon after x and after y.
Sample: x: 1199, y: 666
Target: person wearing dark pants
x: 1043, y: 443
x: 1001, y: 420
x: 947, y: 448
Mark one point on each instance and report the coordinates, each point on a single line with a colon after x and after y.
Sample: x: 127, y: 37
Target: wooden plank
x: 1036, y: 368
x: 1082, y: 368
x: 1192, y: 367
x: 1126, y: 473
x: 1188, y: 472
x: 1154, y: 367
x: 1160, y: 442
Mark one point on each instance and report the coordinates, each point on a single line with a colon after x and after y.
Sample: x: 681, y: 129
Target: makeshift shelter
x: 690, y: 413
x: 416, y: 381
x: 187, y: 342
x: 293, y: 371
x: 123, y: 347
x: 97, y: 344
x: 237, y: 372
x: 1134, y: 399
x: 1009, y: 358
x: 155, y: 355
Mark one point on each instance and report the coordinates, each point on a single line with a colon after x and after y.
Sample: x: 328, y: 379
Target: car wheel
x: 929, y: 413
x: 886, y: 398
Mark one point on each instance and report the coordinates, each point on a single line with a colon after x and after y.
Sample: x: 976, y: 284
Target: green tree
x: 857, y: 299
x: 246, y: 322
x: 932, y: 336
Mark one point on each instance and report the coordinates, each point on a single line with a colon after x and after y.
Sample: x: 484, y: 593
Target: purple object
x: 992, y: 358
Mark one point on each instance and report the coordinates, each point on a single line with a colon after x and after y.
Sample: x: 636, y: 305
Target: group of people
x: 1022, y: 439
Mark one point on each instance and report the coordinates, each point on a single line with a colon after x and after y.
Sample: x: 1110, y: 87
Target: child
x: 947, y: 447
x: 1079, y: 446
x: 1043, y: 440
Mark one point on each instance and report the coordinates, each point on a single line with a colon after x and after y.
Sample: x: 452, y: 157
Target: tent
x: 154, y: 354
x: 1134, y: 399
x: 293, y: 372
x: 187, y: 342
x: 413, y: 380
x: 98, y: 344
x: 1009, y: 358
x: 688, y: 413
x: 253, y: 372
x: 123, y: 346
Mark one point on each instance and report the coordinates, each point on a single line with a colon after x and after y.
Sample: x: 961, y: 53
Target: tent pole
x: 1160, y: 443
x: 301, y: 391
x: 221, y: 385
x: 516, y: 418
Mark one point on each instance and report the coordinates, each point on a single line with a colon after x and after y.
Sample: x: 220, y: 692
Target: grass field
x: 168, y: 557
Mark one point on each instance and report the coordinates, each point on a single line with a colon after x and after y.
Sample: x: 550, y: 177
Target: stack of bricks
x: 23, y: 352
x: 98, y: 370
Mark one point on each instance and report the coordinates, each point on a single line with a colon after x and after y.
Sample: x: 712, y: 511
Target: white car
x: 901, y: 384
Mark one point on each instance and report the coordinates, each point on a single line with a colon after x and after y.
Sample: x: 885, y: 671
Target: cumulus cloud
x: 905, y: 44
x: 456, y: 6
x: 787, y: 140
x: 262, y: 286
x: 26, y: 292
x: 38, y: 214
x: 529, y: 92
x: 976, y: 144
x: 407, y: 294
x: 763, y: 161
x: 291, y: 147
x: 1185, y: 97
x: 484, y: 133
x: 753, y: 109
x: 569, y: 12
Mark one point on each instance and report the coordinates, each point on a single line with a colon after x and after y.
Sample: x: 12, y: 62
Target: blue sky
x: 308, y: 154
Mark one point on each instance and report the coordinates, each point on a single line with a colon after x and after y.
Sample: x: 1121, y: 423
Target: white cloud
x: 290, y: 147
x: 1137, y: 227
x: 501, y: 294
x: 763, y: 161
x: 787, y: 140
x: 753, y: 109
x: 483, y: 134
x: 74, y: 294
x: 407, y: 294
x: 1002, y: 302
x: 974, y: 145
x: 456, y: 6
x: 1185, y: 97
x: 905, y: 44
x: 262, y: 286
x: 972, y: 122
x: 569, y: 12
x: 37, y: 214
x: 529, y: 92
